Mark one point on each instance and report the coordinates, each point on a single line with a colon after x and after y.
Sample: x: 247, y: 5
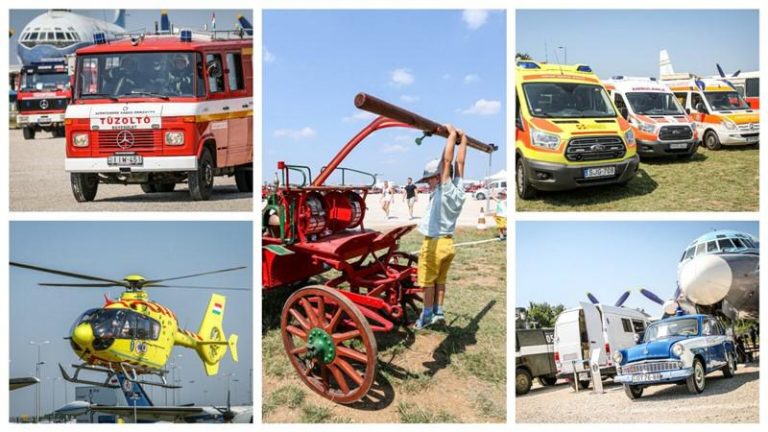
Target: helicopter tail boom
x: 214, y: 343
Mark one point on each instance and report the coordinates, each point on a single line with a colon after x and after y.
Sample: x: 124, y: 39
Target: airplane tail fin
x: 134, y: 393
x: 245, y: 24
x: 665, y: 64
x: 119, y: 18
x: 213, y: 345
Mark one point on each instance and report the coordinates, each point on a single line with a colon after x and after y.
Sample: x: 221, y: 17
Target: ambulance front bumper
x: 739, y: 138
x: 40, y: 119
x: 150, y: 164
x: 666, y: 148
x: 547, y: 176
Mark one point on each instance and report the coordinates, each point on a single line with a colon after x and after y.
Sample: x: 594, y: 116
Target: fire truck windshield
x: 143, y: 74
x: 44, y: 81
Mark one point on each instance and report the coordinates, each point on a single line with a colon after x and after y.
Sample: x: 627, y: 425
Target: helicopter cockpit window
x: 108, y: 323
x: 84, y: 318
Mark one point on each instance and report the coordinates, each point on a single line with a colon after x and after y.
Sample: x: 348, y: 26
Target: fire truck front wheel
x: 201, y: 181
x: 29, y: 133
x: 84, y: 186
x: 158, y: 187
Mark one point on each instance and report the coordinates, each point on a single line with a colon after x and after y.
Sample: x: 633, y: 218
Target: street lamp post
x: 37, y: 375
x: 565, y: 53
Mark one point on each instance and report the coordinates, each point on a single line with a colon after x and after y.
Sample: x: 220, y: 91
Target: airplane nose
x: 706, y: 279
x: 83, y: 335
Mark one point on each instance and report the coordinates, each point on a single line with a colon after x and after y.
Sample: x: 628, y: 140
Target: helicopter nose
x: 83, y: 335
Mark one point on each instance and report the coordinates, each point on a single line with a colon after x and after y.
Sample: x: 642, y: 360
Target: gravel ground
x: 38, y: 182
x: 724, y: 400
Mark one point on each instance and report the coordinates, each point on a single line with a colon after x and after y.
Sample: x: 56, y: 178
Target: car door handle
x: 245, y: 105
x: 226, y: 108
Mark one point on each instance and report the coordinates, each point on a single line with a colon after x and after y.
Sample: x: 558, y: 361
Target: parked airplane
x: 718, y: 273
x: 51, y: 36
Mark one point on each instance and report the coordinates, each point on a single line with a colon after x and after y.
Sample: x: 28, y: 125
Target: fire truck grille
x: 674, y: 133
x: 135, y: 140
x: 595, y: 148
x: 650, y: 367
x: 48, y: 104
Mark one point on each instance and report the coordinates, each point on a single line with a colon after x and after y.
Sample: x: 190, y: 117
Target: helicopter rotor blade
x: 68, y: 274
x: 151, y: 282
x: 197, y: 287
x: 80, y: 285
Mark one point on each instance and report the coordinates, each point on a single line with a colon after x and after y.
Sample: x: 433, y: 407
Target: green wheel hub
x: 320, y: 345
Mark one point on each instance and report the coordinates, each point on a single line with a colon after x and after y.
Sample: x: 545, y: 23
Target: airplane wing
x: 152, y: 413
x: 17, y: 383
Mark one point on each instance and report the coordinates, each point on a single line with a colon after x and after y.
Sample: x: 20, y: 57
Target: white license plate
x: 646, y: 377
x: 125, y: 160
x: 678, y: 146
x: 600, y: 172
x: 752, y: 139
x: 583, y: 376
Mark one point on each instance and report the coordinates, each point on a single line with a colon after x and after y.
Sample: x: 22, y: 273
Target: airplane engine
x: 706, y: 279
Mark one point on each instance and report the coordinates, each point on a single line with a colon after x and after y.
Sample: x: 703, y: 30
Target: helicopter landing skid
x: 129, y: 374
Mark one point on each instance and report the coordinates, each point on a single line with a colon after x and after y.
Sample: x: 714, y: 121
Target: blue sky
x: 627, y: 42
x: 445, y: 65
x: 558, y: 262
x: 113, y: 250
x: 135, y: 19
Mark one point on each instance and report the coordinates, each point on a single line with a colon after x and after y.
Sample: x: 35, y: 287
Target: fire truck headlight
x: 80, y: 140
x: 174, y: 138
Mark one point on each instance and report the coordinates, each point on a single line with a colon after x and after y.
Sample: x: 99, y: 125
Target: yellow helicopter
x: 134, y: 336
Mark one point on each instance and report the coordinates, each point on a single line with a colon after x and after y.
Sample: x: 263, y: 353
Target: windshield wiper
x: 145, y: 93
x: 99, y: 95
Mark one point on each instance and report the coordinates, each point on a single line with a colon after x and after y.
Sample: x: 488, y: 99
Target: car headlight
x: 629, y: 137
x: 644, y: 127
x: 617, y: 357
x: 729, y: 124
x: 80, y: 140
x: 677, y: 349
x: 174, y: 138
x: 544, y: 139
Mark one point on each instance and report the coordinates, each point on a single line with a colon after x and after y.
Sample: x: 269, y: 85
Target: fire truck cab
x: 722, y: 116
x: 157, y: 110
x: 42, y: 98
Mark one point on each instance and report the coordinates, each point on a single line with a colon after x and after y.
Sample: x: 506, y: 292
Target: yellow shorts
x: 434, y: 260
x: 501, y: 222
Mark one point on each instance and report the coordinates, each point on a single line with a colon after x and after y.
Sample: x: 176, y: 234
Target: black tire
x: 633, y: 391
x: 547, y: 381
x: 201, y: 181
x: 711, y: 141
x: 148, y: 187
x: 524, y: 189
x: 244, y: 180
x: 158, y: 187
x: 29, y: 133
x: 523, y: 382
x: 84, y: 186
x: 480, y: 196
x: 697, y: 381
x: 583, y: 385
x: 729, y: 370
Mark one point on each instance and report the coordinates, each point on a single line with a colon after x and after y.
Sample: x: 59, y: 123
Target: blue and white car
x: 680, y: 349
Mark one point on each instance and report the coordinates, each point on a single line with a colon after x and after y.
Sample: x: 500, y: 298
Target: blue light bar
x: 618, y: 77
x: 584, y: 68
x: 186, y: 35
x: 99, y: 38
x: 528, y: 65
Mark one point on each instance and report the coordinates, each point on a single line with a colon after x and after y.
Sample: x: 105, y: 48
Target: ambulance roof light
x: 186, y: 35
x: 583, y: 68
x: 528, y: 65
x: 99, y: 38
x: 618, y: 77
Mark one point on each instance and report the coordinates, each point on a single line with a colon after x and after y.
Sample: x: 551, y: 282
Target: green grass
x: 314, y: 414
x: 412, y: 413
x: 723, y: 180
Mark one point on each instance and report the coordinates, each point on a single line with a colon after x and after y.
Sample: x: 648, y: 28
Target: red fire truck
x: 42, y: 98
x: 158, y: 110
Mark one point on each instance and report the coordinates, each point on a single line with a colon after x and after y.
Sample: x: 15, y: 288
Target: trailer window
x: 235, y: 71
x: 627, y: 325
x: 638, y: 326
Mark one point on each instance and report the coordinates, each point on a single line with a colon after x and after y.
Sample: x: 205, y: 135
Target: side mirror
x: 700, y: 107
x: 637, y: 338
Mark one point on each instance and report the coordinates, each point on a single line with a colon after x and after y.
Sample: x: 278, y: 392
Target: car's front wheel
x: 697, y: 380
x: 633, y: 391
x: 730, y: 366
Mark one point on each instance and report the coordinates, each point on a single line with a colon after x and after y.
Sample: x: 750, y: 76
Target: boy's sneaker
x: 424, y: 321
x: 438, y: 317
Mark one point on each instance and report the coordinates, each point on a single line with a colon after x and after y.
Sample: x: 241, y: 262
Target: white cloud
x: 483, y: 107
x: 394, y: 148
x: 471, y: 78
x: 446, y: 76
x: 401, y: 77
x: 268, y: 57
x: 474, y: 18
x: 409, y: 98
x: 296, y: 134
x: 359, y: 115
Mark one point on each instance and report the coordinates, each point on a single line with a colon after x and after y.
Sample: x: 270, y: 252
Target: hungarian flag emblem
x: 217, y: 308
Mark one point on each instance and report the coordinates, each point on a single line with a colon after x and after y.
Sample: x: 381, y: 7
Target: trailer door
x: 594, y: 326
x: 568, y: 340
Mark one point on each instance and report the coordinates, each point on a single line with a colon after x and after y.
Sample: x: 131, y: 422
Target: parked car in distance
x: 491, y: 190
x: 680, y: 349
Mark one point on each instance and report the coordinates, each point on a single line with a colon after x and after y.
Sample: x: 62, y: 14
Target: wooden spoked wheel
x: 329, y: 343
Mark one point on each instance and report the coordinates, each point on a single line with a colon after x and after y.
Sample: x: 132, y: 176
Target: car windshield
x: 667, y: 329
x: 654, y: 103
x: 143, y: 74
x: 48, y: 81
x: 725, y: 101
x: 568, y: 100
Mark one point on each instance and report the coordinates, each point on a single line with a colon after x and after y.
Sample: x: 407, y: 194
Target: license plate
x: 125, y: 160
x: 751, y: 139
x: 583, y: 376
x: 600, y: 172
x: 646, y: 377
x: 678, y: 146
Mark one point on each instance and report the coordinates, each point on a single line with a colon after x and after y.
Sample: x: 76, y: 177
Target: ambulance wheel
x: 201, y: 181
x: 524, y: 189
x: 697, y: 380
x: 84, y: 186
x: 711, y: 141
x: 244, y: 180
x: 633, y: 391
x: 730, y: 366
x: 523, y: 382
x: 29, y: 133
x: 548, y: 381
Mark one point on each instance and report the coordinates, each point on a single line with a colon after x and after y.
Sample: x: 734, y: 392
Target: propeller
x: 622, y: 299
x: 651, y: 296
x: 722, y: 73
x: 592, y: 298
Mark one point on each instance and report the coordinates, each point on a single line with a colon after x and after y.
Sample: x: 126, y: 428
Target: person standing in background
x: 410, y: 196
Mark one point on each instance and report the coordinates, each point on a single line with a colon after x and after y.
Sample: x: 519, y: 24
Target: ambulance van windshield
x: 654, y: 103
x: 726, y: 101
x: 568, y: 100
